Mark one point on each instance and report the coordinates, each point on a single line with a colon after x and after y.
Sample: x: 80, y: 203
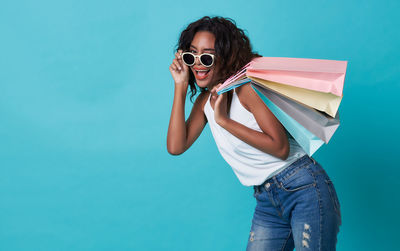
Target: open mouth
x: 201, y: 74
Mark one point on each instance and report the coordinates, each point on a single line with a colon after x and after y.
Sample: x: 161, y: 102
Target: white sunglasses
x: 206, y: 59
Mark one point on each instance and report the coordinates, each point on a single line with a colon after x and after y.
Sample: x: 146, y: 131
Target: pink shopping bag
x: 313, y: 74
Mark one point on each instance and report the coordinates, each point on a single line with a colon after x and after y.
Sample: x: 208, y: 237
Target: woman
x: 297, y: 205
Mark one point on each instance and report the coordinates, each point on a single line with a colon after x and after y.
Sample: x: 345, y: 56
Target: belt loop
x: 276, y: 182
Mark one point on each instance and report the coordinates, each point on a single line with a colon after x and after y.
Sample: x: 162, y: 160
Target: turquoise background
x: 85, y: 99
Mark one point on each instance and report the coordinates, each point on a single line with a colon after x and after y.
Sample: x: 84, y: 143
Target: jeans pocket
x: 333, y: 195
x: 299, y: 180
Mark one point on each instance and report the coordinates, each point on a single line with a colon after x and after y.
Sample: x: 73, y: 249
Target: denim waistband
x: 300, y: 162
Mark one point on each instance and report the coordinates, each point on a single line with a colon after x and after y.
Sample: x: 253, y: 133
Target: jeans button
x: 267, y: 185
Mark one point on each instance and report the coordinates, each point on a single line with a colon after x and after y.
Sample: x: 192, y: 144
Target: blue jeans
x: 297, y: 208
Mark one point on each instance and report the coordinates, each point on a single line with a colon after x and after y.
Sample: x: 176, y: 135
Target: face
x: 203, y: 42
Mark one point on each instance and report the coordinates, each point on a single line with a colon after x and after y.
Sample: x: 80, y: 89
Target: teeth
x: 202, y: 73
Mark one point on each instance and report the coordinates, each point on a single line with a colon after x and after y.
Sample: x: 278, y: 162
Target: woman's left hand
x: 221, y: 105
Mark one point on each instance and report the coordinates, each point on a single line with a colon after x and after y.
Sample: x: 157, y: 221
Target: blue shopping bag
x: 308, y: 141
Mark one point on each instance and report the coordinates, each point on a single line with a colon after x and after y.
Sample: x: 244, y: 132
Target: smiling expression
x: 203, y: 42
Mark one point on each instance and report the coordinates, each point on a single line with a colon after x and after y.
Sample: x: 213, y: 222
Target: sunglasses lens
x: 206, y: 60
x: 188, y: 59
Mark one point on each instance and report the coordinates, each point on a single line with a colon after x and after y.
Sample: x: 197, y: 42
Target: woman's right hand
x: 179, y: 71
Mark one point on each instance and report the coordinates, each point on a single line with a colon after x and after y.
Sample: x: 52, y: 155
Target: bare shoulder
x: 247, y: 96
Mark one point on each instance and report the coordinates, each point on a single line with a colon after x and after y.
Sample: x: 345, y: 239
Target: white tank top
x: 251, y: 166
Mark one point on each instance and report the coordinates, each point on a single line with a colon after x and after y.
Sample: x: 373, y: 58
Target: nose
x: 197, y: 60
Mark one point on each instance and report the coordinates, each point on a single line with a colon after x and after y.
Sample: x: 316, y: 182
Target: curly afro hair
x: 232, y: 47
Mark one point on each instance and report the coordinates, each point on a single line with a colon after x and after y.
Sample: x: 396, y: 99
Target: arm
x: 181, y: 134
x: 271, y: 140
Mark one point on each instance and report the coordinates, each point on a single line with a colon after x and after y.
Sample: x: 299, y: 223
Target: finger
x: 213, y: 91
x: 180, y: 60
x: 171, y: 68
x: 181, y: 64
x: 178, y: 54
x: 177, y: 64
x: 222, y: 99
x: 216, y: 89
x: 214, y: 94
x: 174, y: 67
x: 184, y: 67
x: 218, y: 100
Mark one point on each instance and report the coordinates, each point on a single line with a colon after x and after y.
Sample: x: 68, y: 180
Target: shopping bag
x: 318, y: 123
x: 324, y: 102
x: 318, y: 75
x: 235, y: 80
x: 313, y: 74
x: 309, y: 142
